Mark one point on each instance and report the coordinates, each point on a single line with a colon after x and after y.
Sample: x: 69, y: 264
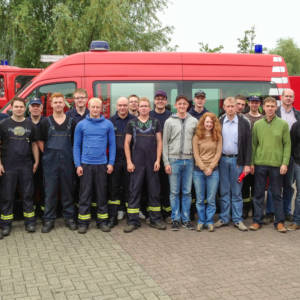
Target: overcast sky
x: 222, y: 22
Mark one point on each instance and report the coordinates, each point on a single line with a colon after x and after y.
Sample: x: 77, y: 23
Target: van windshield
x: 216, y: 91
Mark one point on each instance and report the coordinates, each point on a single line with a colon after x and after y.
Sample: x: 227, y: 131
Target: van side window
x: 2, y: 87
x: 109, y: 92
x: 44, y: 92
x: 21, y: 80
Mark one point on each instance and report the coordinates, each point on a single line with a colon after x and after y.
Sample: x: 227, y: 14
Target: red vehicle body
x: 12, y: 79
x: 295, y: 85
x: 109, y: 75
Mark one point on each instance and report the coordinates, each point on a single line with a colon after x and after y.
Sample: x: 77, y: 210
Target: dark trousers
x: 23, y: 177
x: 135, y: 190
x: 118, y: 188
x: 39, y: 191
x: 58, y: 177
x: 275, y: 186
x: 93, y: 182
x: 164, y: 191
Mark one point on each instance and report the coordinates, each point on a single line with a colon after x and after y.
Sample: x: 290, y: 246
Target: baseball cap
x: 200, y: 94
x: 35, y: 101
x: 160, y: 93
x: 254, y: 98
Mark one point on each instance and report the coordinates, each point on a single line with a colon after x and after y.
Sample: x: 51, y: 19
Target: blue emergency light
x: 258, y: 49
x: 4, y: 62
x: 99, y: 46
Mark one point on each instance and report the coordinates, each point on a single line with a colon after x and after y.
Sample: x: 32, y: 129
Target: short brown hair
x: 57, y: 95
x: 133, y: 95
x: 241, y: 97
x: 179, y: 97
x: 17, y: 99
x: 145, y: 99
x: 80, y: 91
x: 270, y: 99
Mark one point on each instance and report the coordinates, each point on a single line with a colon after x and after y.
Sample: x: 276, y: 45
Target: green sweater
x: 271, y: 143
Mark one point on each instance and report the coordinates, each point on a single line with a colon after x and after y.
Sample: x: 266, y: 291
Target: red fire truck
x: 109, y: 75
x: 12, y: 80
x: 295, y: 85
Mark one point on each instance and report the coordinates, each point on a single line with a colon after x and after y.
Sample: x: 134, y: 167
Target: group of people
x: 108, y: 164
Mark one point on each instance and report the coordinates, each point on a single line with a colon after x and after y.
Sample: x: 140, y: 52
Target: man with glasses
x: 162, y: 114
x: 80, y: 110
x: 133, y: 105
x: 288, y: 113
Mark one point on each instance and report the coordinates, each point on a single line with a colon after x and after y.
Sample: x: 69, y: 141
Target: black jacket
x: 296, y: 112
x: 295, y: 139
x: 244, y: 140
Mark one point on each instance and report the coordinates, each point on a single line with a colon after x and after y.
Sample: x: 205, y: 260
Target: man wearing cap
x: 178, y: 160
x: 35, y: 110
x: 248, y: 186
x: 198, y: 110
x: 19, y: 160
x: 162, y: 114
x: 80, y: 110
x: 236, y: 158
x: 287, y: 112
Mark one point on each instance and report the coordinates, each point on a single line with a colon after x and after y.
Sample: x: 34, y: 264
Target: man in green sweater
x: 271, y: 150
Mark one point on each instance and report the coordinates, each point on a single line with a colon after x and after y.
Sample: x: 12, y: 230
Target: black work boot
x: 112, y: 222
x: 47, y: 226
x: 6, y: 229
x: 71, y: 224
x: 30, y: 227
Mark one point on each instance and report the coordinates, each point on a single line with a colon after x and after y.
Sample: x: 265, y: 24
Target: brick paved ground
x: 150, y: 264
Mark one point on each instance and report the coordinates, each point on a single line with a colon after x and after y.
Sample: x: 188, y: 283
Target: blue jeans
x: 181, y: 180
x: 297, y: 200
x: 287, y: 189
x: 206, y: 188
x: 230, y: 190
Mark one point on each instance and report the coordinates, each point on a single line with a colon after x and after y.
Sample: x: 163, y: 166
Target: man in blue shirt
x: 236, y: 158
x: 92, y: 137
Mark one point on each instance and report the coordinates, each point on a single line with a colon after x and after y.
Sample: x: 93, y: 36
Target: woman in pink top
x: 207, y: 149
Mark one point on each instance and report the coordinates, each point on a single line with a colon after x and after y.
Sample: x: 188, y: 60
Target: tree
x: 205, y: 48
x: 246, y: 44
x: 35, y: 27
x: 289, y: 50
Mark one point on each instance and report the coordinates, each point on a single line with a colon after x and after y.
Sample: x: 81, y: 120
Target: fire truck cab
x: 12, y: 80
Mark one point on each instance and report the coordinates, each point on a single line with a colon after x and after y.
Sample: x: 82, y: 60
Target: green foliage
x: 29, y: 28
x: 205, y: 48
x: 246, y: 44
x: 289, y: 50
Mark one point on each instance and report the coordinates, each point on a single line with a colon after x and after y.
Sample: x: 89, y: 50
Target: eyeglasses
x: 80, y: 98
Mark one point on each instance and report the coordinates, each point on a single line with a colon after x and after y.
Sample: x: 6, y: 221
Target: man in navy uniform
x: 19, y: 160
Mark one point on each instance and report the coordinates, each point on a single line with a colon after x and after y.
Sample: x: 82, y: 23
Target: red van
x: 12, y: 80
x: 109, y: 75
x: 295, y: 85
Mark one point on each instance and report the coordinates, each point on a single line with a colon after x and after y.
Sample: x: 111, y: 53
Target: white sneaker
x: 142, y: 216
x: 121, y: 215
x: 241, y: 226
